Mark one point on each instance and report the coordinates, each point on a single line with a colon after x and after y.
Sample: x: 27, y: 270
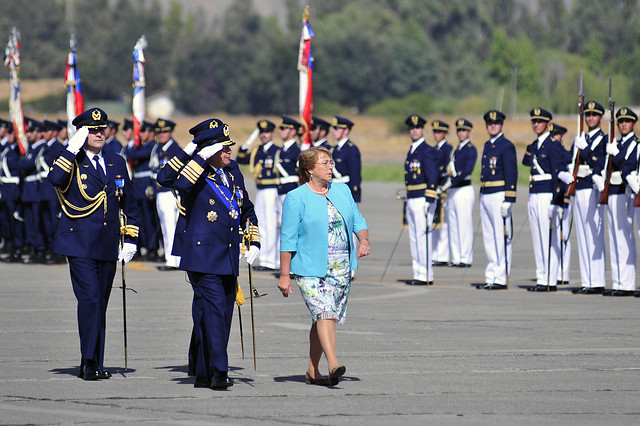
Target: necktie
x: 222, y: 176
x: 101, y: 174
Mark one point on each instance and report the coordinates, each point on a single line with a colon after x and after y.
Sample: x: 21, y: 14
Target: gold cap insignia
x: 263, y: 124
x: 161, y: 123
x: 96, y: 115
x: 623, y: 111
x: 414, y: 119
x: 460, y: 123
x: 436, y: 123
x: 335, y: 121
x: 493, y: 115
x: 212, y: 216
x: 225, y: 130
x: 213, y: 124
x: 536, y: 111
x: 591, y: 105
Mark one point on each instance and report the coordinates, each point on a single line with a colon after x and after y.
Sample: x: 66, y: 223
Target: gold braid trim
x: 181, y: 209
x: 254, y: 168
x: 254, y: 234
x: 93, y: 202
x: 192, y: 171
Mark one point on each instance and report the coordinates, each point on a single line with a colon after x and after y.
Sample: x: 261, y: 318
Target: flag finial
x: 306, y: 15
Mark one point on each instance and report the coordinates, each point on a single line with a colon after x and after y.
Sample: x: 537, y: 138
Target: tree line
x: 384, y: 57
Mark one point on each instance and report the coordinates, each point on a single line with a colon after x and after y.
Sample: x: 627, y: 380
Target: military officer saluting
x: 262, y: 164
x: 461, y: 196
x: 217, y: 207
x: 498, y: 180
x: 421, y: 180
x: 346, y: 157
x: 319, y: 131
x: 93, y: 187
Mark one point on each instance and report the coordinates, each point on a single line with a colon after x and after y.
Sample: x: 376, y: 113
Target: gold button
x: 198, y: 243
x: 231, y: 228
x: 105, y: 224
x: 71, y: 229
x: 229, y: 245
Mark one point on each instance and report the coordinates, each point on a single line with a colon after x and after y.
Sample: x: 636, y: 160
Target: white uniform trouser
x: 622, y: 242
x: 168, y: 216
x: 441, y: 236
x: 266, y: 208
x: 460, y: 219
x: 493, y: 235
x: 588, y: 217
x: 539, y: 221
x: 565, y: 254
x: 420, y: 244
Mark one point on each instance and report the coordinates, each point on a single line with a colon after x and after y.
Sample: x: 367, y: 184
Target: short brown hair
x: 308, y: 160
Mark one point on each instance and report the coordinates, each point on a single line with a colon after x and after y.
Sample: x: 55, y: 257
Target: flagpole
x: 138, y: 88
x: 305, y: 68
x: 12, y: 61
x: 75, y: 99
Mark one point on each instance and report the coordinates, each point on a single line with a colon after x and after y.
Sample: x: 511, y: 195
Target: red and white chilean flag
x: 138, y: 87
x: 12, y: 61
x: 75, y: 100
x: 305, y: 67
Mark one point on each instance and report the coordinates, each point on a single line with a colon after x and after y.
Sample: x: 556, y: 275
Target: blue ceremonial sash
x: 224, y: 194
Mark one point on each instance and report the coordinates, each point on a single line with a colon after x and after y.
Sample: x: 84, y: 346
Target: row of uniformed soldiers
x: 440, y: 199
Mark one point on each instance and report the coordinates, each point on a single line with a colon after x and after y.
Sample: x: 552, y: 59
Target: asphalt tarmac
x: 443, y: 354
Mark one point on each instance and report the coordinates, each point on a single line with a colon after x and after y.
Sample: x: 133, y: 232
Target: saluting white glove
x: 565, y: 177
x: 598, y: 182
x: 127, y: 252
x: 190, y: 148
x: 251, y: 140
x: 252, y: 254
x: 76, y: 143
x: 580, y: 142
x: 505, y: 209
x: 209, y: 151
x: 445, y: 186
x: 632, y: 181
x: 426, y: 208
x: 553, y: 210
x: 612, y: 149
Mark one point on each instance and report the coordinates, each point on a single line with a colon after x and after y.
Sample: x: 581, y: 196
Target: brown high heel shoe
x: 311, y: 381
x: 334, y: 375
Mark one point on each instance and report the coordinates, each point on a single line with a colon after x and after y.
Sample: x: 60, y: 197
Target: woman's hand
x: 284, y: 284
x: 364, y: 249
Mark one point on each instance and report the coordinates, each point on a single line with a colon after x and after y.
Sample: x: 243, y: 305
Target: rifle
x: 604, y: 198
x: 571, y: 189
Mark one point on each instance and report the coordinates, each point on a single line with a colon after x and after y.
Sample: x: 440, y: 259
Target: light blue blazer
x: 305, y: 227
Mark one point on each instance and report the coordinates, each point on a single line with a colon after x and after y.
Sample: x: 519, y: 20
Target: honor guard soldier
x: 217, y: 207
x: 49, y: 207
x: 4, y: 134
x: 113, y: 144
x: 166, y: 149
x: 558, y: 133
x: 143, y: 189
x: 498, y: 181
x: 63, y: 134
x: 461, y: 196
x: 588, y: 213
x: 12, y: 229
x: 545, y: 156
x: 127, y: 136
x: 421, y: 180
x: 32, y: 175
x: 287, y: 161
x: 319, y: 131
x: 441, y: 228
x: 93, y: 188
x: 620, y: 214
x: 262, y: 165
x: 346, y: 158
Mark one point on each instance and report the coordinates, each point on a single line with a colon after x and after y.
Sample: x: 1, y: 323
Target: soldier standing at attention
x: 89, y: 231
x: 262, y: 164
x: 441, y: 229
x: 346, y: 157
x: 498, y: 180
x: 421, y: 179
x: 113, y: 144
x: 461, y: 197
x: 319, y: 131
x: 287, y: 161
x: 12, y: 229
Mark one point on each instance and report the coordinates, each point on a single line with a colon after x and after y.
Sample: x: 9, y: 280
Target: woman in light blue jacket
x: 318, y: 219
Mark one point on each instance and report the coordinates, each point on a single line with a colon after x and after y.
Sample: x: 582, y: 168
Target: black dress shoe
x: 440, y: 263
x: 580, y: 290
x: 221, y: 380
x: 104, y: 374
x: 463, y: 265
x: 202, y: 382
x: 495, y: 287
x: 622, y: 293
x: 167, y: 268
x: 90, y: 373
x: 593, y: 290
x: 543, y: 288
x: 607, y: 292
x: 636, y: 294
x: 480, y: 286
x: 417, y: 282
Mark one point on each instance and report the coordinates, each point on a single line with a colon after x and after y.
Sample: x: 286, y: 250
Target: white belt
x: 537, y: 178
x: 584, y: 170
x: 289, y: 179
x: 341, y: 179
x: 142, y: 174
x: 35, y: 178
x: 11, y: 179
x: 616, y: 178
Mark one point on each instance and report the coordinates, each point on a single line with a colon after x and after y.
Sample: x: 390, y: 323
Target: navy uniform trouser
x: 92, y: 281
x: 214, y: 296
x: 49, y: 210
x: 33, y: 226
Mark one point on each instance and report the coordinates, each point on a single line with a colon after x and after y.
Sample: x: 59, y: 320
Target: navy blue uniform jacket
x: 499, y: 168
x: 348, y: 163
x: 421, y: 172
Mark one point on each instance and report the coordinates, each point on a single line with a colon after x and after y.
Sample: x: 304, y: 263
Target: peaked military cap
x: 556, y: 129
x: 439, y: 126
x: 342, y: 123
x: 494, y: 116
x: 218, y: 134
x: 625, y: 113
x: 33, y: 125
x: 113, y: 124
x: 163, y: 125
x: 319, y: 123
x: 147, y: 126
x: 289, y: 123
x: 63, y: 123
x: 210, y: 123
x: 265, y: 126
x: 4, y: 123
x: 593, y: 106
x: 463, y: 124
x: 52, y: 125
x: 93, y: 118
x: 540, y: 114
x: 414, y: 120
x: 128, y: 124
